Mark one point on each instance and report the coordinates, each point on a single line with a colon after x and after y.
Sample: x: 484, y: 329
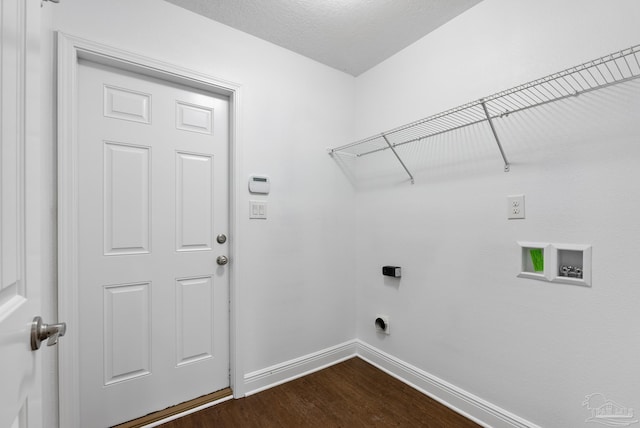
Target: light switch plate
x: 515, y: 207
x: 258, y: 210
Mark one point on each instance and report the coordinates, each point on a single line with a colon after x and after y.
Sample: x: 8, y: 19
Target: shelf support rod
x: 495, y: 135
x: 398, y: 157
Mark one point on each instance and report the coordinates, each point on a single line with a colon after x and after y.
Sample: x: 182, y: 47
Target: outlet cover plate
x: 515, y: 207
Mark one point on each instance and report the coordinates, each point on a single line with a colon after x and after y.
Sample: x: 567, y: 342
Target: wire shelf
x: 596, y: 74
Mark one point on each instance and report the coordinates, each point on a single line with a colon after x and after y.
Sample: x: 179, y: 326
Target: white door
x: 20, y: 387
x: 153, y: 198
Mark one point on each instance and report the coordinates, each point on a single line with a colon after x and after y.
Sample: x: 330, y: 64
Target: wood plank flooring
x: 350, y: 394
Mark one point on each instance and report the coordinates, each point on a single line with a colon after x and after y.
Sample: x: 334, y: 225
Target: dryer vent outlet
x: 382, y: 324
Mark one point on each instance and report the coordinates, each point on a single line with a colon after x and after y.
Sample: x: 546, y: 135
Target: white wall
x: 297, y: 284
x: 459, y: 312
x: 533, y: 348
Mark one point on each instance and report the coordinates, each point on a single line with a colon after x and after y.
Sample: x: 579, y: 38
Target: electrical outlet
x: 515, y: 207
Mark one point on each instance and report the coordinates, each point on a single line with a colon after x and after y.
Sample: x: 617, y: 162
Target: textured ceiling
x: 350, y: 35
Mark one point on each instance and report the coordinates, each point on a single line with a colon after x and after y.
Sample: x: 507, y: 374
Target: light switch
x: 258, y: 209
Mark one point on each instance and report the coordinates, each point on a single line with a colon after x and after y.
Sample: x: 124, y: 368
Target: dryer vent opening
x: 382, y: 324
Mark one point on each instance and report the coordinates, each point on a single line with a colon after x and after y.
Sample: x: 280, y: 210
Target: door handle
x: 222, y: 260
x: 41, y: 331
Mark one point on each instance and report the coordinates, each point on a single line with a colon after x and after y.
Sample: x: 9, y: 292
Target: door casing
x: 70, y: 50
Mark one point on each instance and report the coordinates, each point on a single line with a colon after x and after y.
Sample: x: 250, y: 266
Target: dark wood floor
x: 350, y: 394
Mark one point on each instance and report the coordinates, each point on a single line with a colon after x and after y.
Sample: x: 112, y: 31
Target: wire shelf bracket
x: 612, y: 69
x: 495, y: 135
x: 386, y: 140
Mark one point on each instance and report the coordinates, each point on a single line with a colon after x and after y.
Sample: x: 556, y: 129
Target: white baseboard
x: 457, y: 399
x: 280, y: 373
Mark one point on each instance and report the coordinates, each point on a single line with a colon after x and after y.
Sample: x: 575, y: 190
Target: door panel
x: 194, y: 319
x: 127, y: 332
x: 194, y: 190
x: 153, y: 193
x: 127, y: 214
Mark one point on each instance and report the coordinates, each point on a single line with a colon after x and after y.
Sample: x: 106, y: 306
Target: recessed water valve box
x: 393, y: 271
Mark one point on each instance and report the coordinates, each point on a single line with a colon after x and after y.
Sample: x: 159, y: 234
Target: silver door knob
x: 41, y: 331
x: 222, y: 260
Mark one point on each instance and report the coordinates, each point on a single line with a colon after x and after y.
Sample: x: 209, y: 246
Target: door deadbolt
x: 41, y: 331
x: 222, y: 238
x: 222, y: 260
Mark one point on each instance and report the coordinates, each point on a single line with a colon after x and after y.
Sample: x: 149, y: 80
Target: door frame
x: 71, y: 49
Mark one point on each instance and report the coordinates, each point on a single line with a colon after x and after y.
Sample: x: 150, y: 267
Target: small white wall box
x: 393, y: 271
x: 535, y: 258
x: 572, y: 264
x: 259, y: 184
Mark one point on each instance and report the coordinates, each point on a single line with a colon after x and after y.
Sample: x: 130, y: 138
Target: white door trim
x: 70, y: 50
